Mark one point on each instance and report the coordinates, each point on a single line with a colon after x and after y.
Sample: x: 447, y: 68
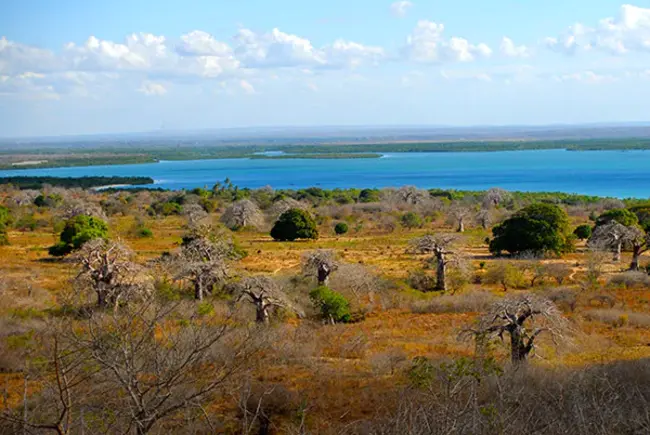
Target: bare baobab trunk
x: 636, y: 254
x: 518, y: 350
x: 617, y: 252
x: 262, y: 313
x: 323, y: 274
x: 441, y: 282
x: 461, y: 225
x: 198, y: 290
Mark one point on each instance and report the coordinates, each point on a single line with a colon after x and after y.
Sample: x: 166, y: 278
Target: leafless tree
x: 283, y: 205
x: 440, y: 246
x: 558, y: 271
x: 484, y: 218
x: 265, y: 294
x: 616, y: 237
x: 495, y: 197
x: 194, y: 213
x: 356, y: 281
x: 203, y: 259
x: 108, y: 268
x: 77, y: 207
x: 523, y: 318
x: 459, y: 214
x: 243, y: 213
x: 320, y: 263
x: 409, y: 195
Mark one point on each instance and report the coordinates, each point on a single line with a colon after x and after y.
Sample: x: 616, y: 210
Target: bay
x: 605, y: 173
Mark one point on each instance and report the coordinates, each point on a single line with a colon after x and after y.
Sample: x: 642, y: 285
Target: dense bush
x: 294, y: 224
x: 77, y: 231
x: 419, y: 280
x: 538, y: 228
x: 583, y: 232
x: 411, y: 220
x: 332, y: 305
x: 4, y: 223
x: 620, y: 215
x: 341, y: 228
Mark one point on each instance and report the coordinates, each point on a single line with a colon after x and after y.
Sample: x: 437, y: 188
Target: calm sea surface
x: 606, y: 173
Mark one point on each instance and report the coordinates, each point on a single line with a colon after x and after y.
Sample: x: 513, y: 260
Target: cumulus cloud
x: 400, y: 8
x: 152, y: 89
x: 426, y: 44
x: 626, y: 33
x: 509, y: 49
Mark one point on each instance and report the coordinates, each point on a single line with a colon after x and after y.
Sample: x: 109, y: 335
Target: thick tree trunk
x: 617, y: 252
x: 461, y: 225
x: 198, y: 290
x: 441, y: 281
x: 262, y: 313
x: 636, y: 254
x: 323, y: 274
x: 518, y: 351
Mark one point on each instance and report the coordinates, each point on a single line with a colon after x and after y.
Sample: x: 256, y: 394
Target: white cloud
x: 629, y: 32
x: 589, y: 77
x: 247, y: 87
x: 400, y: 8
x: 199, y: 43
x: 466, y: 75
x: 426, y: 44
x: 345, y: 53
x: 275, y: 49
x: 509, y: 49
x: 152, y: 89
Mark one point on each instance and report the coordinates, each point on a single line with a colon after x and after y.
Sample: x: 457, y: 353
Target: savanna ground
x: 346, y: 373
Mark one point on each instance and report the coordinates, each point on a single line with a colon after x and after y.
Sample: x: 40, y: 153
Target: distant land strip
x: 138, y: 152
x: 70, y: 182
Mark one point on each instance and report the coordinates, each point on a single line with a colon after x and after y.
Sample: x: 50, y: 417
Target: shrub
x: 294, y: 224
x: 77, y: 231
x: 563, y: 297
x: 411, y: 220
x: 419, y: 280
x: 538, y: 228
x: 630, y: 279
x: 583, y: 232
x: 471, y: 302
x: 332, y: 305
x: 505, y: 274
x: 618, y: 318
x: 143, y: 232
x: 620, y: 215
x: 4, y: 223
x: 341, y: 228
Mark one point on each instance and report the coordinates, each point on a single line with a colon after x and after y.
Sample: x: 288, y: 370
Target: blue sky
x: 78, y: 67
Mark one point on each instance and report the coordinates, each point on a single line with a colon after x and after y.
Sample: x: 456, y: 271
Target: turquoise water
x: 606, y: 173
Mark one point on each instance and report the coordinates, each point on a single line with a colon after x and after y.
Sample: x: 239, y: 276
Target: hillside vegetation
x: 374, y: 312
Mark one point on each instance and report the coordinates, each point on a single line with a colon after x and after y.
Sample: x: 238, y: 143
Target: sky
x: 85, y: 67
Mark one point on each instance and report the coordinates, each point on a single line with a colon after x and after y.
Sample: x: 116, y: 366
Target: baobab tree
x: 495, y: 197
x: 265, y: 294
x: 484, y: 218
x: 108, y: 268
x: 615, y: 237
x: 440, y: 246
x: 204, y: 259
x: 243, y: 213
x: 458, y: 215
x: 320, y: 263
x: 523, y: 318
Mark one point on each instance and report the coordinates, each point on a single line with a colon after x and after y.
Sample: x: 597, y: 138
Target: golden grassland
x: 351, y: 353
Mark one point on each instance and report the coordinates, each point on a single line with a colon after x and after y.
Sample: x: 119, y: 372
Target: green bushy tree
x: 583, y: 232
x: 341, y: 228
x: 332, y: 305
x: 5, y: 218
x: 411, y: 220
x: 77, y: 231
x: 538, y: 228
x: 294, y: 224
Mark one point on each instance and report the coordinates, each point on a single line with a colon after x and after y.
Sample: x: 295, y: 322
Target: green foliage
x: 538, y: 228
x: 369, y: 195
x: 341, y: 228
x: 642, y: 213
x: 77, y: 231
x: 166, y: 208
x: 423, y: 373
x: 36, y: 183
x: 294, y: 224
x: 143, y: 232
x: 583, y: 232
x: 411, y: 220
x: 204, y: 309
x: 621, y: 215
x: 5, y: 220
x: 332, y: 305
